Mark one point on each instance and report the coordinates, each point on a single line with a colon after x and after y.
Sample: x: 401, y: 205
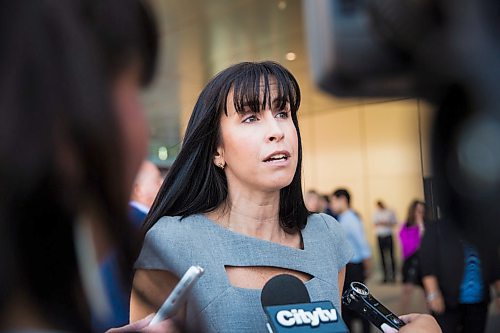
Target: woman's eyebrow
x: 245, y: 105
x: 278, y: 101
x: 245, y: 108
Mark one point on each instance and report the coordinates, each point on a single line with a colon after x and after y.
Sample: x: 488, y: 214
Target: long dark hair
x: 194, y: 184
x: 60, y: 142
x: 410, y: 219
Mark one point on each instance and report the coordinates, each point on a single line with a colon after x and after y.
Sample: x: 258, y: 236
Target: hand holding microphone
x: 165, y: 326
x: 161, y: 322
x: 358, y: 298
x: 416, y: 323
x: 178, y: 296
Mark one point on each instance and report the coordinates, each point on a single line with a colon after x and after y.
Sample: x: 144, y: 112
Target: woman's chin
x: 276, y: 184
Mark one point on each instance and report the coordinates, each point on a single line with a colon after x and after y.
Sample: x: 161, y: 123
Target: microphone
x: 287, y: 304
x: 284, y: 289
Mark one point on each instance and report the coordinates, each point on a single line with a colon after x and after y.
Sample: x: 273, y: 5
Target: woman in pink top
x: 410, y: 235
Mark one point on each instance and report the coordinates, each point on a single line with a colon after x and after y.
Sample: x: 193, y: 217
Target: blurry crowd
x: 454, y: 274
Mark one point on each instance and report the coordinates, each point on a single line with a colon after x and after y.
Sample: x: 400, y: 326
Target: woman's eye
x: 282, y: 114
x: 250, y: 119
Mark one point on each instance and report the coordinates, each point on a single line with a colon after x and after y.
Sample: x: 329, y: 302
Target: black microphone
x: 288, y: 307
x: 284, y: 289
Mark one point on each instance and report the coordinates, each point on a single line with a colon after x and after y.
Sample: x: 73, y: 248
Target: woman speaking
x: 232, y: 203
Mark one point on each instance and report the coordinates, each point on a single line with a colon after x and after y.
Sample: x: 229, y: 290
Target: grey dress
x: 215, y: 305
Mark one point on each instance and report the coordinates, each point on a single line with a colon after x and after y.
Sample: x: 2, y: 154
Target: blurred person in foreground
x: 359, y: 267
x: 457, y: 276
x: 385, y: 220
x: 232, y: 203
x: 410, y: 235
x: 146, y: 186
x: 73, y: 135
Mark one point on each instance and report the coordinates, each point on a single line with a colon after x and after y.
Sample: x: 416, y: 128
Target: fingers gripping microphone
x: 288, y: 307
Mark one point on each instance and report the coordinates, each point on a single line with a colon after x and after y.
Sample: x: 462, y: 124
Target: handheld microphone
x: 289, y: 309
x: 357, y: 298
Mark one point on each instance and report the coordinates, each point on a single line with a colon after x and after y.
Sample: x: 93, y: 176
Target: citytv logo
x: 297, y: 317
x: 316, y: 317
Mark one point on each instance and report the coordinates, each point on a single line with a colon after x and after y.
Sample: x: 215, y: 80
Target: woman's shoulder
x: 325, y: 225
x: 173, y: 224
x: 175, y: 231
x: 171, y: 238
x: 330, y: 237
x: 322, y: 220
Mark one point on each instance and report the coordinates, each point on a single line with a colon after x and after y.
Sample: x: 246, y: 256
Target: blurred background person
x: 313, y: 202
x: 359, y: 267
x: 318, y: 203
x: 328, y: 208
x: 385, y: 220
x: 410, y: 235
x: 146, y: 186
x: 69, y: 96
x: 457, y: 276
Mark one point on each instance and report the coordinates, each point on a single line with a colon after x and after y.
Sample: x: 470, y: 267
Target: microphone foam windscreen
x: 284, y: 289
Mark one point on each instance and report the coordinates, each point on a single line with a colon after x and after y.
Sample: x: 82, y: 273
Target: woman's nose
x: 275, y: 132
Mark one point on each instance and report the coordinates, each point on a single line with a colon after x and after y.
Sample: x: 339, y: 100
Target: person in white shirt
x: 385, y: 220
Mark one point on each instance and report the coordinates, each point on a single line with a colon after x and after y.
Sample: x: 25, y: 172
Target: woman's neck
x: 255, y: 214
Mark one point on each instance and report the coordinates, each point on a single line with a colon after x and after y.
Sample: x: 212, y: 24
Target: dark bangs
x: 252, y: 87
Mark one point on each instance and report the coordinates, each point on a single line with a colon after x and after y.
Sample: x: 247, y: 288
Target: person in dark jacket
x: 146, y: 185
x: 457, y: 276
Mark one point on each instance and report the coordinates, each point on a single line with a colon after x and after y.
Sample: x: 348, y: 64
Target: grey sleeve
x: 342, y: 248
x: 161, y: 247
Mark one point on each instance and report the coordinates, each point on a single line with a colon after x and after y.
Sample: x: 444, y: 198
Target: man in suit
x: 146, y: 186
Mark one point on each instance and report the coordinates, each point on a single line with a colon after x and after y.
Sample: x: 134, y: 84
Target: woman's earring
x: 221, y: 165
